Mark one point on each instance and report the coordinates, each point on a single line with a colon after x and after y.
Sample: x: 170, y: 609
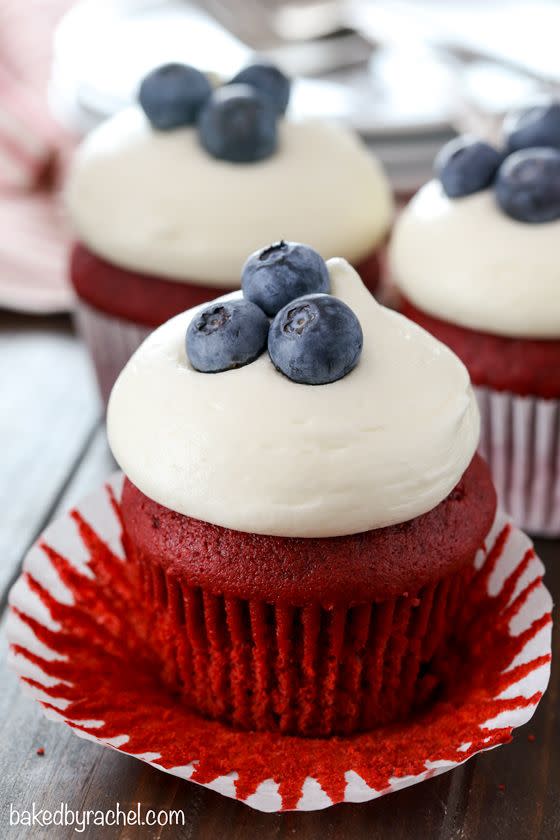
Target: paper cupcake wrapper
x: 111, y: 342
x: 77, y: 652
x: 313, y: 671
x: 520, y: 440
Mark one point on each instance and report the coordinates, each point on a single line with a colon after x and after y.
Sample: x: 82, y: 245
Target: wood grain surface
x: 54, y: 451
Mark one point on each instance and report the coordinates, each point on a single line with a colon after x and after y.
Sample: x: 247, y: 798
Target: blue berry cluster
x: 525, y: 174
x: 313, y: 337
x: 236, y: 122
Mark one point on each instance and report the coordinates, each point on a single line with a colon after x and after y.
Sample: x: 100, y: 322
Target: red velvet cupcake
x: 165, y: 216
x: 475, y: 262
x: 304, y: 519
x: 308, y: 636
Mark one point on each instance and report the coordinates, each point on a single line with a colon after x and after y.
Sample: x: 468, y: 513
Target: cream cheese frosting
x: 465, y: 261
x: 251, y: 450
x: 157, y: 203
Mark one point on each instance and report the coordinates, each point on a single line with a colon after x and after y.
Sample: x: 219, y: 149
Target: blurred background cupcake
x: 167, y: 198
x: 474, y: 258
x: 356, y: 64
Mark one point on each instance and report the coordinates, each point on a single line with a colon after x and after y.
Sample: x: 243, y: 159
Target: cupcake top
x: 177, y: 201
x: 465, y: 261
x: 477, y: 245
x: 252, y: 450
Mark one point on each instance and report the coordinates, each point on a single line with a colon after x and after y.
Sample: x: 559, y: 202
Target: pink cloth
x: 27, y: 137
x: 33, y: 153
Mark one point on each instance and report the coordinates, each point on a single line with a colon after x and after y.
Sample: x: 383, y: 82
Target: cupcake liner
x: 111, y: 342
x: 520, y: 440
x: 299, y: 670
x: 78, y: 644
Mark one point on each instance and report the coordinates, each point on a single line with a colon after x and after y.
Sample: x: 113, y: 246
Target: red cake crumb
x: 531, y: 738
x: 41, y: 751
x: 378, y: 564
x: 312, y: 637
x: 150, y: 300
x: 523, y: 366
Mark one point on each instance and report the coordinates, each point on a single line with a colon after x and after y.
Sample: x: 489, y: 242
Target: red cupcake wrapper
x: 78, y: 646
x: 520, y: 440
x: 110, y: 341
x: 299, y: 670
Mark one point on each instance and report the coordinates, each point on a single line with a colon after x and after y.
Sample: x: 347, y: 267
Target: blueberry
x: 536, y: 126
x: 226, y: 335
x: 528, y: 185
x: 270, y: 81
x: 238, y: 124
x: 276, y: 275
x: 466, y: 165
x: 172, y: 95
x: 315, y: 339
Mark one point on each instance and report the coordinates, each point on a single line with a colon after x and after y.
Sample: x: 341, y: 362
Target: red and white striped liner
x: 83, y: 669
x: 520, y: 440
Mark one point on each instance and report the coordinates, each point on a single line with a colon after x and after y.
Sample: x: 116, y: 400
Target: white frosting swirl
x: 465, y: 261
x: 156, y: 202
x: 249, y: 449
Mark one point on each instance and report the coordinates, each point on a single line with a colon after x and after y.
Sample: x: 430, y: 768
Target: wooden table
x: 53, y: 452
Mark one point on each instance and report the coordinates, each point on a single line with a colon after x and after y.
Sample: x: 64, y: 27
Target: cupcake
x: 168, y: 197
x: 303, y: 503
x: 474, y: 258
